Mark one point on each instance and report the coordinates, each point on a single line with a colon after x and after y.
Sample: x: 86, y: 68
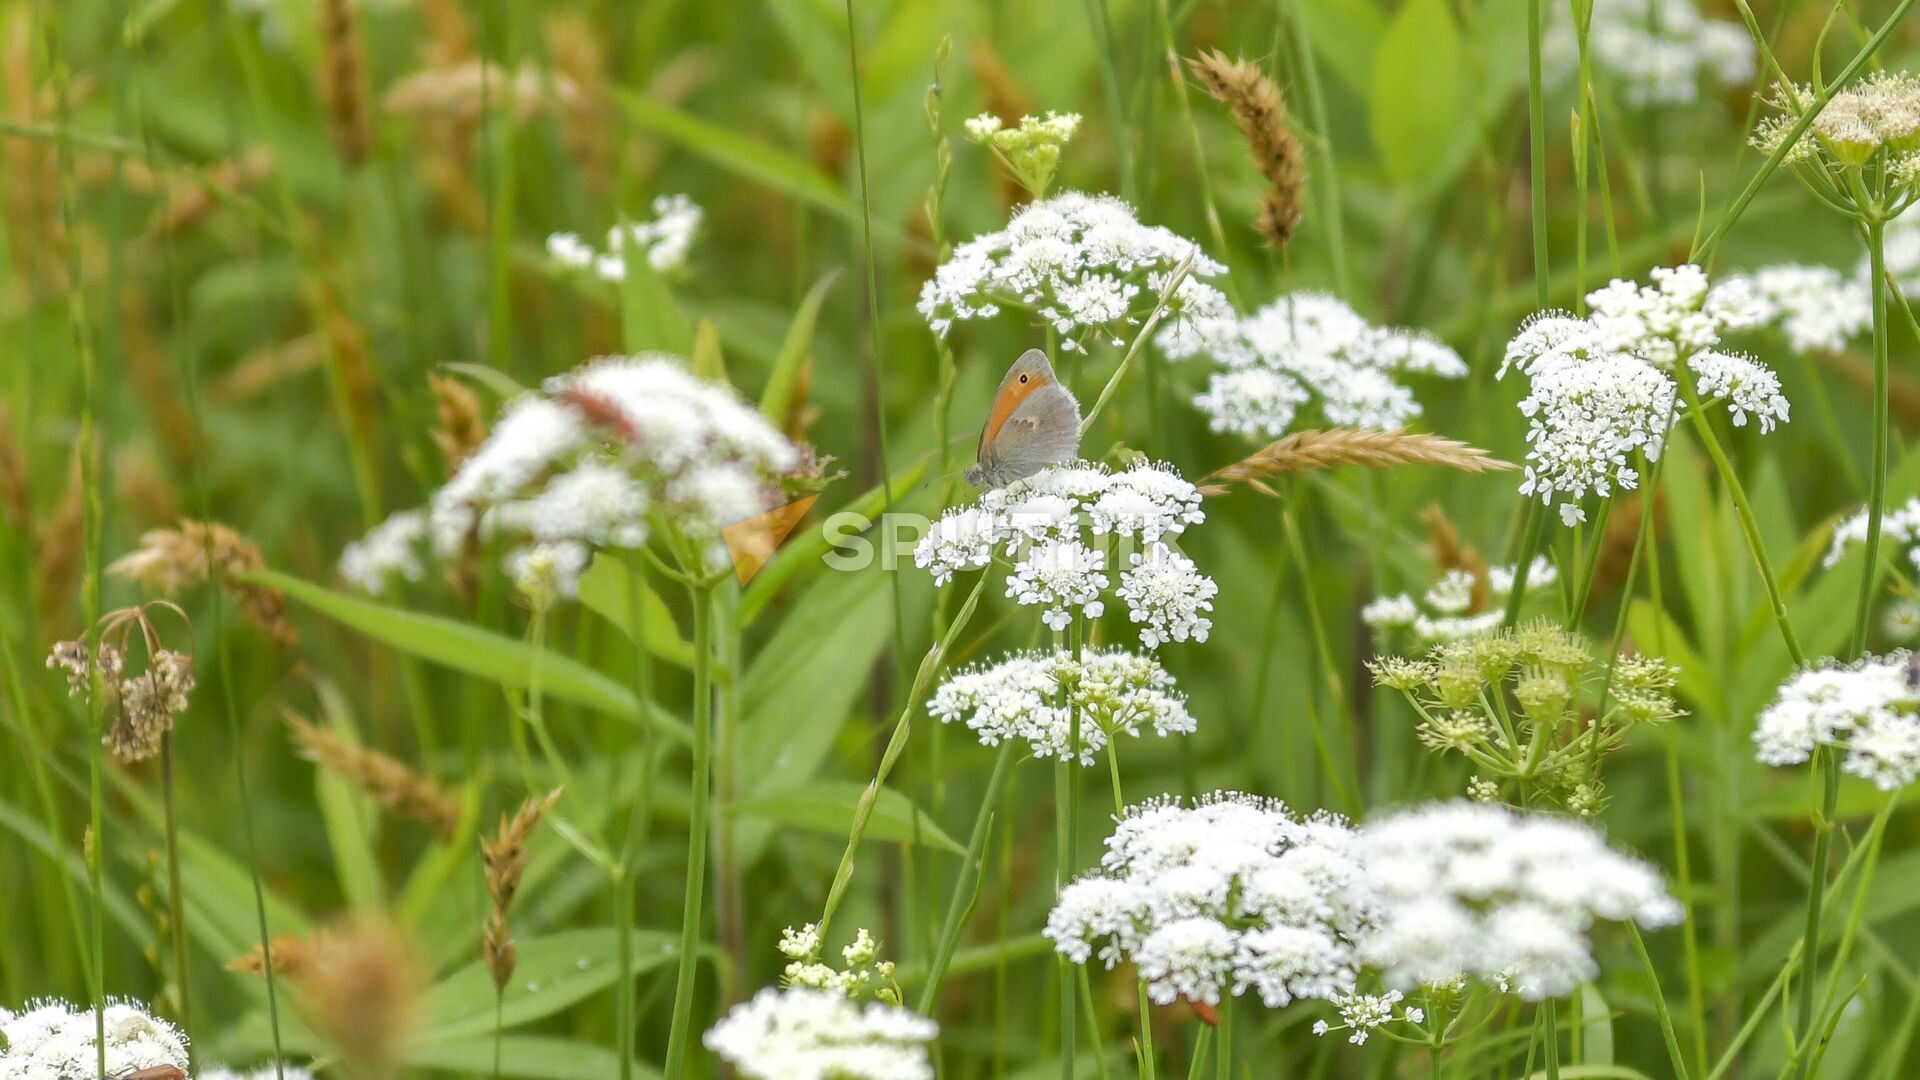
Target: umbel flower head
x: 1878, y: 114
x: 1308, y: 350
x: 1870, y: 710
x: 864, y: 974
x: 1899, y: 527
x: 1469, y: 889
x: 1659, y: 52
x: 1603, y: 389
x: 1082, y: 264
x: 603, y: 456
x: 52, y: 1040
x: 663, y: 241
x: 802, y: 1033
x: 1032, y: 697
x: 1058, y: 528
x: 1031, y: 149
x: 1459, y: 604
x: 140, y: 707
x: 1815, y: 307
x: 1229, y: 893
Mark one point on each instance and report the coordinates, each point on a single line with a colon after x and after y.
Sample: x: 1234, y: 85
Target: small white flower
x: 800, y: 944
x: 801, y: 1033
x: 663, y: 240
x: 1305, y: 347
x: 1899, y: 527
x: 1814, y: 306
x: 1869, y: 709
x: 1220, y: 896
x: 1060, y: 575
x: 1747, y: 387
x: 390, y: 550
x: 52, y: 1040
x: 1658, y: 51
x: 1033, y: 697
x: 1446, y: 612
x: 1466, y: 888
x: 1082, y: 263
x: 1168, y: 596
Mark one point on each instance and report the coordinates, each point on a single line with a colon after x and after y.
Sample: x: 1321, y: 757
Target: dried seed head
x: 343, y: 81
x: 1260, y: 112
x: 463, y: 426
x: 361, y: 990
x: 505, y: 860
x: 173, y: 559
x: 292, y: 956
x: 148, y: 703
x: 392, y: 783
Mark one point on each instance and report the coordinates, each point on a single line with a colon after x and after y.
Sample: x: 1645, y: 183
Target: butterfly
x: 1034, y: 423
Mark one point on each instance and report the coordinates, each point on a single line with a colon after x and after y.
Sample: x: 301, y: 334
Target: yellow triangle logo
x: 752, y: 542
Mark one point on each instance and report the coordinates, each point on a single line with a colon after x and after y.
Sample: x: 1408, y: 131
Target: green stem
x: 1322, y: 647
x: 1665, y: 1017
x: 699, y: 829
x: 1533, y: 527
x: 728, y: 889
x: 1750, y: 528
x: 1826, y: 766
x: 1223, y: 1054
x: 1877, y: 482
x: 1551, y: 1023
x: 1330, y: 170
x: 966, y: 888
x: 1149, y: 1068
x: 1146, y: 330
x: 1537, y: 145
x: 176, y: 898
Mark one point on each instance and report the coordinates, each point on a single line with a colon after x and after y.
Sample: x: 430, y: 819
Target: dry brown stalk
x: 61, y: 544
x: 579, y: 52
x: 343, y: 81
x: 1305, y: 451
x: 1449, y: 554
x: 199, y: 552
x: 463, y: 426
x: 505, y: 859
x: 1260, y: 112
x: 392, y: 783
x: 267, y: 366
x: 16, y: 494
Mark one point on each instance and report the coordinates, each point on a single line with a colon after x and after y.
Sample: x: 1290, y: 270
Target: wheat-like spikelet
x: 449, y: 40
x: 463, y: 426
x: 343, y: 81
x: 1260, y: 112
x: 1305, y: 451
x: 505, y: 859
x: 391, y: 783
x: 199, y: 552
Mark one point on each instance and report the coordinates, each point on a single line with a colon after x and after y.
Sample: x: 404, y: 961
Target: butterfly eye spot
x: 1023, y: 378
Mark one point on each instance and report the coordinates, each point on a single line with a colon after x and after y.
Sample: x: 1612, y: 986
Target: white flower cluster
x: 1903, y: 254
x: 1879, y: 111
x: 590, y: 461
x: 1361, y: 1014
x: 663, y: 241
x: 1465, y: 888
x: 53, y: 1040
x: 1056, y: 528
x: 1870, y: 709
x: 1083, y: 263
x: 1899, y: 527
x: 1816, y: 307
x: 1305, y: 347
x: 1447, y: 612
x: 264, y: 1072
x: 1230, y: 893
x: 801, y: 1033
x: 1602, y: 388
x: 1659, y: 51
x: 1033, y: 697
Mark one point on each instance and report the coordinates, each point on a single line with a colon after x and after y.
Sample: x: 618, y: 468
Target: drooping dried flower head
x: 140, y: 707
x: 505, y: 861
x: 1260, y: 112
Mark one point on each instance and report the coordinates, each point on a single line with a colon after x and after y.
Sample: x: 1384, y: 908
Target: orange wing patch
x: 1005, y: 402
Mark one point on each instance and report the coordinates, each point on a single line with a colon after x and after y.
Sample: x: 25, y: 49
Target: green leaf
x: 828, y: 806
x: 1421, y: 99
x: 479, y: 652
x: 707, y: 361
x: 609, y: 589
x: 650, y: 318
x: 740, y: 155
x: 1342, y: 31
x: 493, y: 379
x: 540, y: 1057
x: 554, y: 973
x: 1596, y: 1027
x: 776, y: 401
x: 347, y: 814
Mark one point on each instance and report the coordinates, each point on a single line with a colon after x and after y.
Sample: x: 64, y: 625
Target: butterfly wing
x: 1043, y: 430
